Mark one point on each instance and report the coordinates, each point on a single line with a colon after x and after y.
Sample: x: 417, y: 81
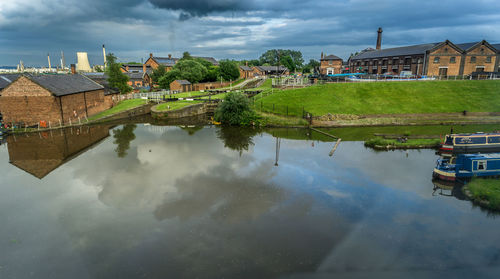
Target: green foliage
x: 158, y: 73
x: 186, y: 55
x: 190, y: 70
x: 166, y: 79
x: 116, y: 78
x: 203, y: 62
x: 98, y: 69
x: 236, y: 110
x: 123, y: 137
x: 213, y: 74
x: 229, y: 70
x: 271, y: 57
x: 288, y: 62
x: 237, y: 138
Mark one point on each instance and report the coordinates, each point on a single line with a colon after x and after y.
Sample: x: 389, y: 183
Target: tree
x: 123, y: 137
x: 116, y: 78
x: 158, y: 73
x: 237, y: 138
x: 186, y: 55
x: 311, y: 66
x: 98, y: 69
x: 191, y: 70
x: 236, y: 110
x: 165, y: 81
x: 213, y: 74
x: 271, y: 57
x: 229, y: 70
x: 288, y: 62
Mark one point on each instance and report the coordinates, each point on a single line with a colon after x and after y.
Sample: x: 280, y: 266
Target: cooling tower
x: 82, y: 64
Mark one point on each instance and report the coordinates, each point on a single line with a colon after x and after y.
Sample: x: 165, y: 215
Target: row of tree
x: 195, y: 70
x: 292, y: 59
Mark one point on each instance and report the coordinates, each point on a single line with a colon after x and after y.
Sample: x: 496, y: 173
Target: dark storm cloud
x: 234, y: 29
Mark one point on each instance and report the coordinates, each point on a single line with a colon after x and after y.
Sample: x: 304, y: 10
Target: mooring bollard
x: 50, y: 126
x: 79, y: 122
x: 60, y: 124
x: 70, y: 122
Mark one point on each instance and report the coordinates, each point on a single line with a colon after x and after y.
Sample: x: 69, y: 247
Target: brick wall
x: 481, y: 52
x: 445, y: 54
x: 336, y: 65
x: 26, y: 102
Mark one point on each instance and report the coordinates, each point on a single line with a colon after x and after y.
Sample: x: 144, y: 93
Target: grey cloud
x: 200, y: 7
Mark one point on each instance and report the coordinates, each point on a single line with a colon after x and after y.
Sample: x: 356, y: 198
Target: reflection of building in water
x: 39, y: 154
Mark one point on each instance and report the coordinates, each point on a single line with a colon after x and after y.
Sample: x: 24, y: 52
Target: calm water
x: 143, y: 201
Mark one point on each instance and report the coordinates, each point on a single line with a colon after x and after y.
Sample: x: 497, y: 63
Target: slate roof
x: 135, y: 68
x: 246, y: 68
x: 6, y: 79
x: 132, y: 76
x: 397, y: 51
x: 331, y: 57
x: 272, y: 68
x: 497, y: 47
x: 61, y: 85
x: 183, y: 82
x: 209, y: 59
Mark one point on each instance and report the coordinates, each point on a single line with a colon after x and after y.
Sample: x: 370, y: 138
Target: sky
x: 232, y: 29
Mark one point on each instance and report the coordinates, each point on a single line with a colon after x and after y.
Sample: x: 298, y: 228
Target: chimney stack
x: 170, y: 56
x: 150, y: 55
x: 246, y: 63
x: 379, y: 38
x: 73, y: 69
x: 322, y: 55
x: 48, y: 58
x: 104, y: 55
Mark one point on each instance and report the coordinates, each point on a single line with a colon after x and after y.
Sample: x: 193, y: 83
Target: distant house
x: 270, y: 71
x: 136, y: 80
x: 169, y: 62
x: 246, y: 72
x: 330, y: 65
x: 181, y: 86
x: 136, y: 68
x: 31, y: 99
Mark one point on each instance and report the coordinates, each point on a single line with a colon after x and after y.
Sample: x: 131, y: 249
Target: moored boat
x: 467, y: 166
x: 471, y: 143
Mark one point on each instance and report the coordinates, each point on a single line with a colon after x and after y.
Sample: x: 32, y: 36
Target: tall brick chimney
x: 170, y: 56
x: 379, y: 38
x: 73, y: 69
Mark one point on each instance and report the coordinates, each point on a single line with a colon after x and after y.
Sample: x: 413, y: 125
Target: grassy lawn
x: 380, y: 142
x: 122, y: 106
x: 217, y: 96
x: 485, y: 190
x: 188, y: 94
x: 386, y: 98
x: 175, y: 105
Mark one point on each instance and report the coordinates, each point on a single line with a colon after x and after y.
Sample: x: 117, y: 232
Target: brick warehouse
x: 443, y: 59
x: 31, y: 99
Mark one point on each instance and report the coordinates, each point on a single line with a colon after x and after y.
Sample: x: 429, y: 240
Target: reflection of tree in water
x: 237, y: 138
x: 191, y: 129
x: 123, y: 137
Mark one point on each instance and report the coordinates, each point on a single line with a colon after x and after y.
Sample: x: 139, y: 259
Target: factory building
x: 33, y: 99
x: 433, y: 59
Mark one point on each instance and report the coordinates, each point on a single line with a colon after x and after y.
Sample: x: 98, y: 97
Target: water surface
x: 144, y: 201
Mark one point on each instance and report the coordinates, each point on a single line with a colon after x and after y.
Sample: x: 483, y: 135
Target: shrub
x: 236, y: 110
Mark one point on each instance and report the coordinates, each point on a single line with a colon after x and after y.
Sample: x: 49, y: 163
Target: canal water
x: 145, y: 201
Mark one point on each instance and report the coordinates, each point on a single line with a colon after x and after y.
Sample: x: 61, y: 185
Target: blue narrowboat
x: 471, y: 143
x: 467, y: 166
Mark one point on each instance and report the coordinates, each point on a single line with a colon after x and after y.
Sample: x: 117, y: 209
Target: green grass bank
x: 121, y: 106
x: 485, y: 192
x: 385, y: 98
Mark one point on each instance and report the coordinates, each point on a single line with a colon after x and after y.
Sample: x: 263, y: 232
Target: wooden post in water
x: 335, y: 147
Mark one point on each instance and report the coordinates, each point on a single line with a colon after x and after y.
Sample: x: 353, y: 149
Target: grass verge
x: 385, y: 98
x: 485, y: 192
x: 175, y: 105
x: 268, y: 119
x: 122, y: 106
x: 380, y: 143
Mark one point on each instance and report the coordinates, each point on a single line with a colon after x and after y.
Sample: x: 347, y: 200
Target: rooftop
x: 61, y: 85
x: 6, y: 79
x: 331, y: 57
x: 183, y: 82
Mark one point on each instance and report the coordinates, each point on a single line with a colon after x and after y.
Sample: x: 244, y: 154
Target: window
x: 453, y: 59
x: 473, y: 59
x: 445, y: 50
x: 330, y: 62
x: 408, y: 61
x: 436, y: 59
x: 482, y: 51
x: 481, y: 165
x: 395, y: 62
x: 488, y: 59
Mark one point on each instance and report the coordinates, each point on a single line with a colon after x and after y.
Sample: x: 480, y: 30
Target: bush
x: 236, y: 111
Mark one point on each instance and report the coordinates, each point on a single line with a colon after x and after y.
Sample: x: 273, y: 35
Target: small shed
x: 181, y: 86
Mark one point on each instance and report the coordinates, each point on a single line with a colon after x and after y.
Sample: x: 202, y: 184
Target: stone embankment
x: 189, y: 111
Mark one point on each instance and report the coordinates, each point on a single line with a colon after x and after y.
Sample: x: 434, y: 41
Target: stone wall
x: 189, y: 111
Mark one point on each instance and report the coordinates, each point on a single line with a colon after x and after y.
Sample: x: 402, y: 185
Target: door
x: 443, y: 71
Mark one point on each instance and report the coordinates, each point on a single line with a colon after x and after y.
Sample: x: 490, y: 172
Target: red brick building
x: 181, y: 86
x: 330, y: 65
x: 31, y: 99
x: 169, y: 62
x: 246, y: 72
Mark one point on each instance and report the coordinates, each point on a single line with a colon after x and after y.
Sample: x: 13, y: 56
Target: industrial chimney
x: 63, y: 61
x: 73, y: 69
x: 48, y: 58
x: 104, y: 54
x: 379, y: 38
